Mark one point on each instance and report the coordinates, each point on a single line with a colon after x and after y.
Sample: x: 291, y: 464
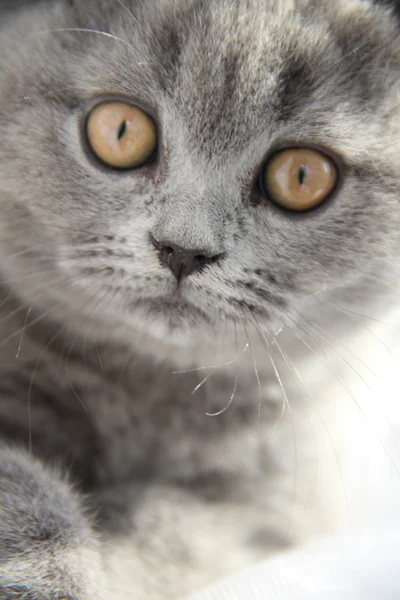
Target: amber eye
x: 121, y: 135
x: 299, y: 178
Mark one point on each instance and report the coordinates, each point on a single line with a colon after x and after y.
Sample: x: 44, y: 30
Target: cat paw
x: 47, y: 548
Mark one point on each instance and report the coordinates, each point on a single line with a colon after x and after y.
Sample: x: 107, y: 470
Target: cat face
x: 237, y: 107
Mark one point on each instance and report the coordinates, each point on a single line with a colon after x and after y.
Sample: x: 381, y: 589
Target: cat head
x: 186, y: 166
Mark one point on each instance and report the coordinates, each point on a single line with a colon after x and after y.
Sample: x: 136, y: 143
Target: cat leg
x: 47, y: 548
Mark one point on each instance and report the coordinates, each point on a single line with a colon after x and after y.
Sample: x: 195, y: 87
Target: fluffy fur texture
x: 100, y: 350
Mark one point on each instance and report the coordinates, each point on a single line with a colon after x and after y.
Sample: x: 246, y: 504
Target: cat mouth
x: 174, y: 308
x: 174, y: 303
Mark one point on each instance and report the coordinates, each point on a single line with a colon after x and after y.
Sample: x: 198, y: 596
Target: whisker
x: 46, y: 346
x: 214, y: 368
x: 296, y: 324
x: 91, y: 324
x: 84, y: 30
x: 13, y: 255
x: 12, y: 280
x: 297, y: 375
x: 358, y: 314
x: 342, y: 383
x: 62, y: 351
x: 381, y: 342
x: 23, y: 332
x: 383, y: 178
x: 98, y: 303
x: 40, y: 317
x: 358, y: 359
x: 75, y: 230
x: 245, y: 322
x: 367, y: 419
x: 99, y: 357
x: 325, y: 339
x: 207, y: 367
x: 75, y: 393
x: 200, y: 385
x: 231, y: 399
x: 384, y: 412
x: 23, y: 306
x: 33, y: 375
x: 130, y: 13
x: 32, y: 381
x: 285, y: 402
x: 233, y: 394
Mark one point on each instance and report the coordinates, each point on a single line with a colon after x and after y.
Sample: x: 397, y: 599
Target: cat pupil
x: 122, y: 130
x: 302, y: 174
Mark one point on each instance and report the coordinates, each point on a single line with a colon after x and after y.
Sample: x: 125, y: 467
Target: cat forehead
x: 227, y: 68
x: 229, y: 72
x: 240, y: 72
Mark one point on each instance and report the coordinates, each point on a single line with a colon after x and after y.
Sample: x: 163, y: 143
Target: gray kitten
x: 177, y: 177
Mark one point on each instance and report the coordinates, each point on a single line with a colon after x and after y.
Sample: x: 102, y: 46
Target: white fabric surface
x: 356, y: 567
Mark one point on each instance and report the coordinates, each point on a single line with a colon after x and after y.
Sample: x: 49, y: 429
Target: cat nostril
x: 182, y: 261
x: 216, y: 257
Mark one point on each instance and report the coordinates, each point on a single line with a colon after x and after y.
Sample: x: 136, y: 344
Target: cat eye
x: 299, y: 179
x: 121, y: 135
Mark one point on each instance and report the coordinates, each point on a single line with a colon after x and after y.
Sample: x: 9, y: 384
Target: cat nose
x: 183, y: 261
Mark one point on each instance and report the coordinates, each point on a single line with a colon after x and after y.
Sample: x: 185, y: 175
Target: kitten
x: 180, y: 179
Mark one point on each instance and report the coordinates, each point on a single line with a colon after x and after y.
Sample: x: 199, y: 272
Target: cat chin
x: 183, y: 336
x: 189, y: 341
x: 181, y: 328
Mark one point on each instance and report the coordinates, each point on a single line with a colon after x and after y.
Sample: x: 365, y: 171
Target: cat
x: 180, y: 180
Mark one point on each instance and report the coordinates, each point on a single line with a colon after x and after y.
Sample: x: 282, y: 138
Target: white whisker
x: 83, y: 30
x: 245, y: 322
x: 208, y: 367
x: 358, y: 314
x: 200, y: 385
x: 297, y: 375
x: 323, y: 335
x: 22, y: 334
x: 71, y: 347
x: 231, y: 399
